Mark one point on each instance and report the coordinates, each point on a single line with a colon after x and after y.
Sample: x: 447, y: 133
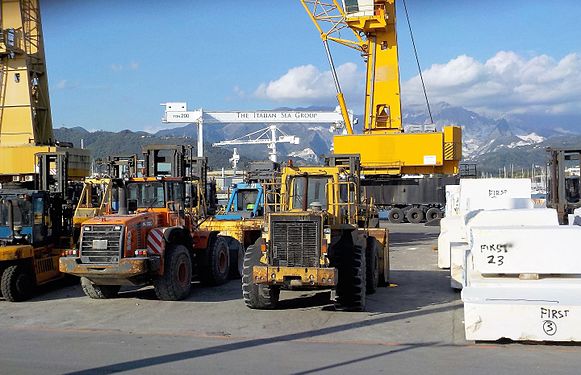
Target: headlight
x: 87, y: 228
x: 117, y: 227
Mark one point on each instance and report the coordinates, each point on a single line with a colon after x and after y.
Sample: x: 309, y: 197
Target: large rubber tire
x: 1, y: 273
x: 433, y: 214
x: 372, y: 266
x: 216, y: 265
x: 99, y: 291
x: 17, y: 283
x: 351, y: 288
x: 257, y: 296
x: 415, y: 215
x: 395, y: 215
x: 236, y: 258
x: 176, y: 282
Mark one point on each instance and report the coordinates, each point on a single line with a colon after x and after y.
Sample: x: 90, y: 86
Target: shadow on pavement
x: 67, y: 287
x: 254, y: 343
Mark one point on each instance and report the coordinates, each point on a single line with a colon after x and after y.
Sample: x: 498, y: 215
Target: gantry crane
x: 269, y: 136
x: 178, y: 113
x: 387, y: 152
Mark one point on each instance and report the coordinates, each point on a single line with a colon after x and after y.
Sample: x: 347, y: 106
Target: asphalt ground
x: 413, y: 327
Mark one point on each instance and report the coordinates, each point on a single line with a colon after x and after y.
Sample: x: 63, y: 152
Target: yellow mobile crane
x: 387, y: 152
x: 36, y: 206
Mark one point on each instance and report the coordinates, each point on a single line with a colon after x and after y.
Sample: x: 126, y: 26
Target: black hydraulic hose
x: 418, y: 61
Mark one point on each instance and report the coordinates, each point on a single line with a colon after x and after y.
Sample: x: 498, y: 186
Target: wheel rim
x: 182, y: 273
x: 222, y: 261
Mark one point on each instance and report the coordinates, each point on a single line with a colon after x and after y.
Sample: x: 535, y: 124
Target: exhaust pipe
x: 10, y: 207
x: 122, y: 200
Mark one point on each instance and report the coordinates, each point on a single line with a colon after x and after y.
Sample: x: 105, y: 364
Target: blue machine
x: 246, y: 201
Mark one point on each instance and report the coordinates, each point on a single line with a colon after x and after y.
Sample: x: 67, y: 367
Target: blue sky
x: 111, y: 63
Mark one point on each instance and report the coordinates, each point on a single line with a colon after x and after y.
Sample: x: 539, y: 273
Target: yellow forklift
x: 319, y: 238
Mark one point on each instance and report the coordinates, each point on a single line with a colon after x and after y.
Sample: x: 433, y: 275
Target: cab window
x: 309, y: 189
x: 147, y: 194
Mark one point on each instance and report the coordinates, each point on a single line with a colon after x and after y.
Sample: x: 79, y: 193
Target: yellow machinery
x: 240, y: 226
x: 318, y: 239
x: 98, y: 195
x: 96, y: 199
x: 25, y: 119
x: 35, y: 206
x: 385, y: 150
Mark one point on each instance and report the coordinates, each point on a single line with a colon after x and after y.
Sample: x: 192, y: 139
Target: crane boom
x: 384, y: 147
x: 387, y: 152
x: 24, y: 102
x: 25, y: 116
x: 379, y: 48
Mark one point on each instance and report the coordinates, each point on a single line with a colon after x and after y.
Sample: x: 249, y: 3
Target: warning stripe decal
x: 155, y: 241
x: 449, y: 151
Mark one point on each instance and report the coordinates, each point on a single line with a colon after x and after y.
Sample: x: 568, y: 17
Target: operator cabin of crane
x: 358, y: 8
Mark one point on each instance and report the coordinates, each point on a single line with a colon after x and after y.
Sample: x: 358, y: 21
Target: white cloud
x: 116, y: 67
x: 505, y: 83
x: 65, y: 84
x: 134, y: 65
x: 239, y: 92
x: 308, y: 84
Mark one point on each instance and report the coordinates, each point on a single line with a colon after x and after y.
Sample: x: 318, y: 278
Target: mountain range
x: 492, y: 143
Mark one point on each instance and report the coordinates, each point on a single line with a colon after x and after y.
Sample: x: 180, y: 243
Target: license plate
x: 100, y: 244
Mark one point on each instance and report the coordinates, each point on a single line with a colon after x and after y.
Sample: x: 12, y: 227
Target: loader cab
x: 246, y: 201
x: 152, y: 194
x: 329, y: 190
x: 24, y: 218
x: 309, y: 192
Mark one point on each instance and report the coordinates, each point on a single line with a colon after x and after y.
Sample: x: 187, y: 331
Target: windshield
x: 21, y: 212
x: 246, y: 200
x: 146, y: 194
x: 307, y: 190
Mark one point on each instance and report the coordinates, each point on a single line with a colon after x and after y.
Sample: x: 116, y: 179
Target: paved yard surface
x: 413, y: 327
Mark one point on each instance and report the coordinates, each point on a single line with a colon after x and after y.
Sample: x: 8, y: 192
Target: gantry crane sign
x: 178, y: 113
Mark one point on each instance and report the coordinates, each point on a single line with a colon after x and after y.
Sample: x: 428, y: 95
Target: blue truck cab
x: 246, y: 201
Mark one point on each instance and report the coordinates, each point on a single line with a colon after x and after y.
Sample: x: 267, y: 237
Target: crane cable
x: 418, y: 61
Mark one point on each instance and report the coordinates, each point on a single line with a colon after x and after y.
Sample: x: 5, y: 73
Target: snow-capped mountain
x: 307, y: 154
x: 489, y: 141
x: 480, y: 134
